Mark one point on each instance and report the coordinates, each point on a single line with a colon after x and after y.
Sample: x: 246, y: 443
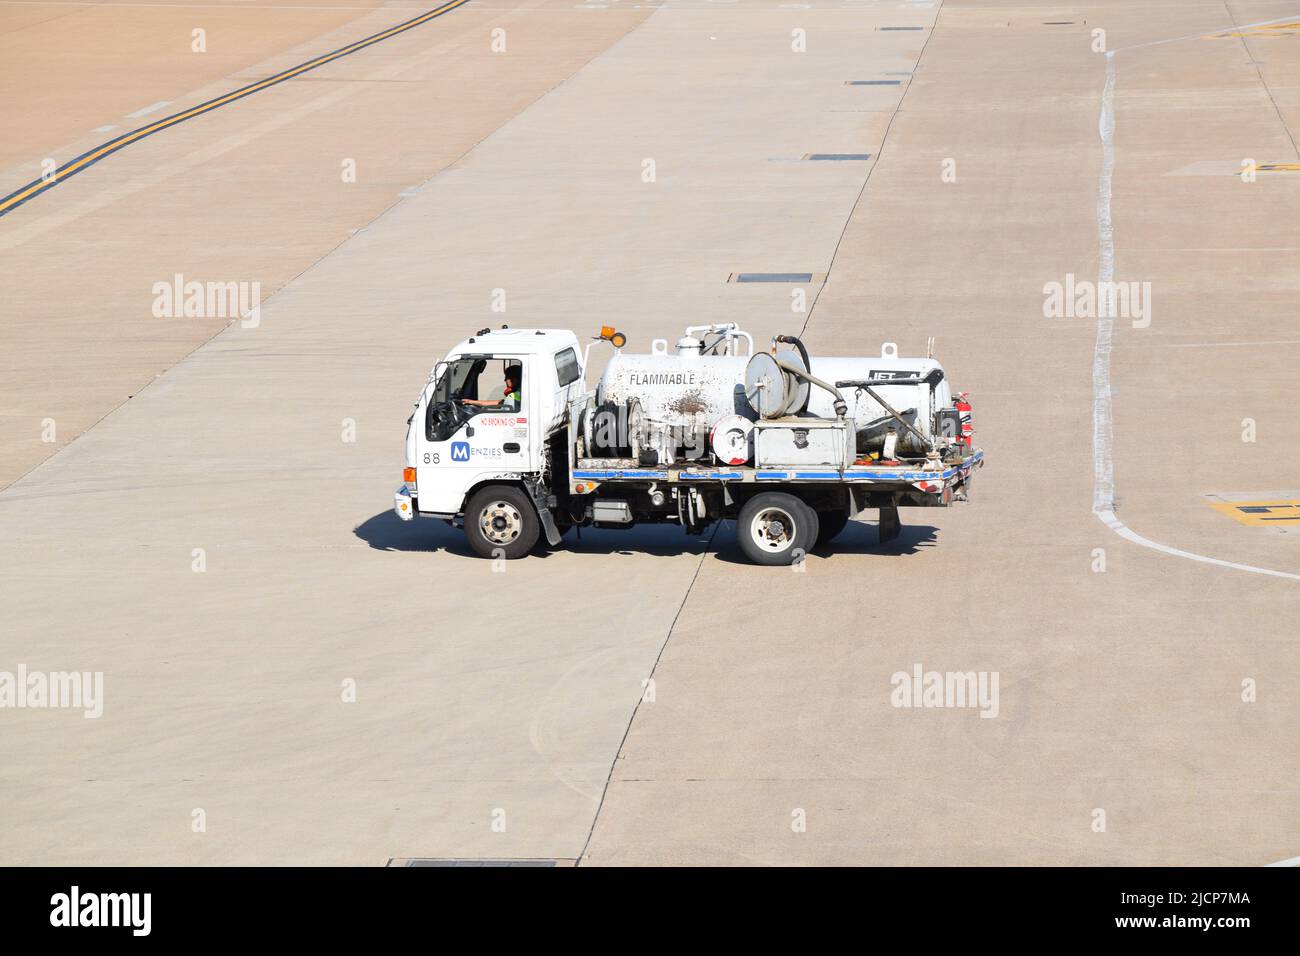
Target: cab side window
x: 566, y: 367
x: 511, y: 400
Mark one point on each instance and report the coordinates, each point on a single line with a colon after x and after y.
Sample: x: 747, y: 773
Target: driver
x: 512, y: 393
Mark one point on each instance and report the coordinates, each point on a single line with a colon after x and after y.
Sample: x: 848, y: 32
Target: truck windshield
x: 460, y: 380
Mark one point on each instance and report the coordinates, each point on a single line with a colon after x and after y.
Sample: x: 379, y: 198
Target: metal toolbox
x: 803, y: 441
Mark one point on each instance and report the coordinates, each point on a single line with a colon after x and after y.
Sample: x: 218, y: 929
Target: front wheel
x: 501, y: 522
x: 775, y: 528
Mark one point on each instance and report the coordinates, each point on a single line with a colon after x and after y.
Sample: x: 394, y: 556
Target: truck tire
x: 774, y: 528
x: 501, y: 522
x: 829, y: 525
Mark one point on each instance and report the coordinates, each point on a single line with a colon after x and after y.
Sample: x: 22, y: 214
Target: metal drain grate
x: 873, y: 82
x: 837, y: 157
x: 452, y: 861
x: 794, y: 277
x: 902, y: 28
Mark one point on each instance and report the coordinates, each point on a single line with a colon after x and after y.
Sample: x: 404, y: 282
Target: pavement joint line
x: 87, y: 159
x: 1262, y: 82
x: 884, y: 139
x: 600, y: 805
x: 1225, y: 345
x: 1103, y: 495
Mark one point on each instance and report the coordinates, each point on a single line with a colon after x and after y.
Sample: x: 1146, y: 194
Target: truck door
x: 472, y: 429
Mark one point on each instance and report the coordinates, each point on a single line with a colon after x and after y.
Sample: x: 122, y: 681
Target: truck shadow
x: 656, y: 540
x: 861, y: 538
x: 856, y: 538
x: 386, y: 532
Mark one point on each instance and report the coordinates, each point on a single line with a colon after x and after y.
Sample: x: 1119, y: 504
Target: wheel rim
x: 773, y: 530
x: 500, y: 522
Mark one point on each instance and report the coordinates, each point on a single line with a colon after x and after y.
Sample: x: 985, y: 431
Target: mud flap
x: 553, y: 537
x: 890, y: 526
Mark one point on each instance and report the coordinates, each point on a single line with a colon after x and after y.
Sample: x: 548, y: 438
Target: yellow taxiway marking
x: 1259, y: 512
x: 1290, y: 28
x: 20, y: 196
x: 1273, y: 168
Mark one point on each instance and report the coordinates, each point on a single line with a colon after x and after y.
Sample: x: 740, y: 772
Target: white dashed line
x: 152, y: 107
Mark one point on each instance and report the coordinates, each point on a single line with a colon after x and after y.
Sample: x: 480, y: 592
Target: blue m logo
x: 460, y: 451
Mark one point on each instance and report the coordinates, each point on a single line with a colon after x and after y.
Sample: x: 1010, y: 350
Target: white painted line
x: 148, y: 109
x: 1224, y: 345
x: 1103, y: 468
x: 1124, y: 531
x: 104, y: 129
x: 1103, y: 471
x: 1294, y: 861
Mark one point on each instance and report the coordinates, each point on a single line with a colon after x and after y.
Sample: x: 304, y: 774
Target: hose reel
x: 778, y: 383
x: 773, y: 387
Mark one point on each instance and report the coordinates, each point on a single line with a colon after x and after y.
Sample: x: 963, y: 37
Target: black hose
x: 807, y: 364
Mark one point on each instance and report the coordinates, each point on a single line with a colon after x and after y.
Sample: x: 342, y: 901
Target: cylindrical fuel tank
x: 690, y: 391
x: 682, y: 390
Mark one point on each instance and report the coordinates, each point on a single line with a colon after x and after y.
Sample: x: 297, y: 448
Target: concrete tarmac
x: 319, y: 683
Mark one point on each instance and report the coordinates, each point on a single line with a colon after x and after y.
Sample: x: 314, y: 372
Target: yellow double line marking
x: 35, y: 188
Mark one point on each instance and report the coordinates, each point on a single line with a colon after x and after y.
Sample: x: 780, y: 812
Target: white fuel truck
x: 508, y: 442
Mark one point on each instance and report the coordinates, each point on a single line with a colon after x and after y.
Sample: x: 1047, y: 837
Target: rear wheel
x: 829, y: 525
x: 501, y: 522
x: 775, y: 528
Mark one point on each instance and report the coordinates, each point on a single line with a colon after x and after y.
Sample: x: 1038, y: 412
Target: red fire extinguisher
x: 964, y: 414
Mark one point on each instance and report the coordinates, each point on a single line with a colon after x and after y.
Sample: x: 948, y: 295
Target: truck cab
x: 467, y: 433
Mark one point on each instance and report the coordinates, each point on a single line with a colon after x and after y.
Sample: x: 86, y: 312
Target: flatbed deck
x: 598, y: 469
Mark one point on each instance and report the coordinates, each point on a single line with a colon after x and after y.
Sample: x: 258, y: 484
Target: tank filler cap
x: 689, y: 345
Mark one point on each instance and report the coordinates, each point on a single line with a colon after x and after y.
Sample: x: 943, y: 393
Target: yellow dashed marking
x: 1260, y: 512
